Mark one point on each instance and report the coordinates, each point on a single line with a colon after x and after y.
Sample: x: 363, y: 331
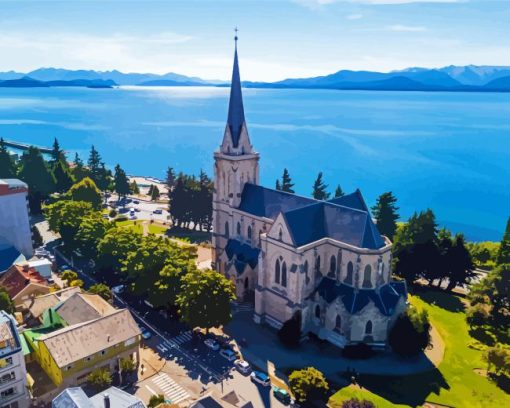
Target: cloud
x: 354, y: 16
x: 314, y: 4
x: 406, y: 28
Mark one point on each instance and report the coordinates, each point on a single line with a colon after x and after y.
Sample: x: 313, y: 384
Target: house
x: 22, y: 283
x: 83, y: 307
x: 43, y: 266
x: 70, y: 353
x: 322, y: 262
x: 14, y: 221
x: 113, y: 397
x: 13, y: 374
x: 36, y: 306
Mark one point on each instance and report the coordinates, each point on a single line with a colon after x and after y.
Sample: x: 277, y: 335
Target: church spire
x: 235, y: 119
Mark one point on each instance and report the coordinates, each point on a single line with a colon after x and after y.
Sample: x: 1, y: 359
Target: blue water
x: 446, y: 151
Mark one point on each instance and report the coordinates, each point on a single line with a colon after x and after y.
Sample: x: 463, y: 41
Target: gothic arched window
x: 368, y: 327
x: 350, y: 271
x: 249, y: 232
x: 367, y: 277
x: 246, y: 283
x: 284, y: 274
x: 317, y: 311
x: 280, y: 235
x: 307, y: 278
x: 332, y: 265
x: 277, y: 272
x: 239, y: 228
x: 318, y: 267
x: 338, y: 323
x: 227, y: 232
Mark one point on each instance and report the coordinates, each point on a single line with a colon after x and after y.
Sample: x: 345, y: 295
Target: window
x: 227, y: 232
x: 318, y: 267
x: 7, y: 377
x: 367, y: 277
x: 246, y: 283
x: 280, y: 235
x: 338, y: 323
x: 332, y: 266
x: 277, y: 272
x: 368, y: 327
x: 307, y: 278
x: 317, y: 311
x: 350, y: 270
x: 239, y: 228
x: 249, y: 233
x: 284, y: 274
x: 260, y: 237
x: 5, y: 362
x: 8, y: 392
x: 69, y: 367
x: 103, y: 352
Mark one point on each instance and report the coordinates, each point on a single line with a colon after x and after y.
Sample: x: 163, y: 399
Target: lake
x: 446, y: 151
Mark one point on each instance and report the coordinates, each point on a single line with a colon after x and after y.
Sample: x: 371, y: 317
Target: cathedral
x: 291, y: 256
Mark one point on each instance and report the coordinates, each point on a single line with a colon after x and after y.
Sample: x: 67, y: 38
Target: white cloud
x: 314, y: 4
x: 406, y: 28
x: 354, y: 16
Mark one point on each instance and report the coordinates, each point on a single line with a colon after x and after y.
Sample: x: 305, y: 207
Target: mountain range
x: 468, y: 78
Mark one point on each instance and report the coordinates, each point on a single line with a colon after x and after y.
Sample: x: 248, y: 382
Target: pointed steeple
x: 235, y: 119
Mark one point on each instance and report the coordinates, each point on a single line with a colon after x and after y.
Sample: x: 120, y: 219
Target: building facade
x: 14, y: 222
x: 13, y: 373
x: 323, y: 262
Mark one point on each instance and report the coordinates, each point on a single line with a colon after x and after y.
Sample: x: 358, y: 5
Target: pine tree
x: 7, y: 164
x: 121, y: 182
x: 63, y: 177
x: 278, y: 186
x: 79, y: 171
x: 385, y: 214
x: 105, y: 179
x: 170, y: 178
x: 155, y: 193
x: 57, y: 154
x: 287, y: 183
x: 461, y: 264
x: 151, y: 187
x: 94, y: 164
x: 133, y: 187
x: 503, y: 256
x: 319, y: 189
x: 339, y: 192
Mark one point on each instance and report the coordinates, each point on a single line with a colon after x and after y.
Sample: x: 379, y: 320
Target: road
x: 144, y: 210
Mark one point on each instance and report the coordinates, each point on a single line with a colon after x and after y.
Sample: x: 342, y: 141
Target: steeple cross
x: 235, y: 31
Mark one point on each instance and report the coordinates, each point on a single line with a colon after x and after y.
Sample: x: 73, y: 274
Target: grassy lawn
x: 157, y: 229
x: 134, y: 224
x: 454, y: 383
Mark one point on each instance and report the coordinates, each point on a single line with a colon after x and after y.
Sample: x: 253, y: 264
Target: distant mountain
x: 27, y: 82
x: 168, y: 82
x: 474, y: 74
x: 24, y: 82
x: 500, y: 83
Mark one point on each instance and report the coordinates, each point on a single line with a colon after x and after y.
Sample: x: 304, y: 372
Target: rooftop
x: 118, y: 399
x: 83, y: 307
x: 9, y: 337
x: 18, y: 277
x: 38, y: 305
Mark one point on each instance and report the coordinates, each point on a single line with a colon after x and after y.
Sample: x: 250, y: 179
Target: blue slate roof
x: 235, y: 106
x: 244, y: 255
x: 266, y: 202
x: 385, y: 299
x: 353, y: 200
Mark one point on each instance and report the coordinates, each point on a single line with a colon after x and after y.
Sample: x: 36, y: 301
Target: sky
x: 277, y: 38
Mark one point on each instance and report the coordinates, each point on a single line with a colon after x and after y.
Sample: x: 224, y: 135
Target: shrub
x: 112, y: 213
x: 411, y: 333
x: 100, y: 379
x: 127, y: 365
x: 357, y: 351
x: 290, y: 332
x: 498, y: 360
x: 155, y: 400
x: 478, y: 314
x: 356, y: 403
x: 308, y: 385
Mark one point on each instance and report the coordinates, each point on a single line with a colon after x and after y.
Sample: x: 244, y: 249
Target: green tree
x: 503, y: 256
x: 63, y: 177
x: 100, y: 379
x: 319, y: 188
x: 94, y: 164
x: 287, y: 183
x: 35, y: 172
x: 115, y: 246
x: 121, y: 182
x: 357, y: 403
x: 93, y: 227
x: 308, y: 385
x: 77, y: 282
x: 102, y: 290
x: 339, y: 192
x: 87, y: 191
x: 65, y: 217
x: 155, y: 193
x: 461, y: 264
x: 57, y: 154
x: 127, y: 365
x: 410, y: 334
x: 385, y: 214
x: 498, y: 360
x: 79, y: 171
x: 7, y: 163
x: 170, y: 178
x: 156, y: 400
x: 6, y: 302
x: 133, y: 188
x: 205, y: 299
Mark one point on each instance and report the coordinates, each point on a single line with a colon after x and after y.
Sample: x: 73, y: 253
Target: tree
x: 339, y: 192
x: 170, y: 178
x: 319, y: 188
x: 115, y: 246
x: 133, y: 188
x: 308, y: 385
x: 100, y: 379
x: 290, y: 332
x: 357, y: 403
x: 77, y: 282
x: 86, y: 191
x: 155, y: 193
x: 35, y: 172
x: 79, y: 171
x: 410, y: 334
x: 498, y: 360
x: 37, y: 239
x: 6, y: 302
x: 102, y: 290
x: 121, y: 182
x: 385, y: 214
x: 278, y: 185
x: 155, y: 400
x: 69, y: 276
x: 7, y: 163
x: 503, y: 256
x: 65, y: 217
x: 94, y: 164
x: 63, y: 178
x: 478, y: 315
x: 205, y: 299
x: 287, y: 183
x: 93, y: 227
x: 461, y: 264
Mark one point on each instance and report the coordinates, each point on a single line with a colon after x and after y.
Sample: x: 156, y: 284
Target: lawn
x: 454, y: 383
x: 135, y: 225
x: 157, y: 229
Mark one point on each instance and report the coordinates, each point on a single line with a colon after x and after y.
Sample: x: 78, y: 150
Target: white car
x: 212, y: 344
x: 228, y: 354
x: 242, y: 366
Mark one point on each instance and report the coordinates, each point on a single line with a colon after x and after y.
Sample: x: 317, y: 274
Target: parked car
x: 158, y: 211
x: 228, y: 354
x: 137, y: 210
x: 118, y: 289
x: 212, y: 344
x: 50, y: 281
x: 261, y: 378
x: 146, y: 334
x: 242, y: 366
x: 136, y: 202
x: 282, y: 395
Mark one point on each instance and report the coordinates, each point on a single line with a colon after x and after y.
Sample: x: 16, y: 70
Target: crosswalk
x: 182, y: 338
x: 172, y: 391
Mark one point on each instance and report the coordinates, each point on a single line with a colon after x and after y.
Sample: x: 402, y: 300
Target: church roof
x: 244, y: 254
x: 235, y: 119
x: 266, y: 202
x: 353, y: 200
x: 385, y: 298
